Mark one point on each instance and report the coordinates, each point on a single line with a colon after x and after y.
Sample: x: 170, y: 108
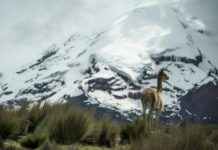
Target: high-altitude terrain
x: 109, y: 69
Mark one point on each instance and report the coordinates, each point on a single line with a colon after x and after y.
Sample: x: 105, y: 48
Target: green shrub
x: 151, y: 144
x: 108, y: 132
x: 12, y: 145
x: 35, y: 116
x: 9, y: 123
x: 66, y: 124
x: 136, y: 130
x: 47, y: 145
x: 191, y: 139
x: 32, y: 141
x: 69, y: 125
x: 1, y: 143
x: 214, y: 136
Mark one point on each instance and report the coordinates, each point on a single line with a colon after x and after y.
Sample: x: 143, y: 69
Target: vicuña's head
x: 162, y: 75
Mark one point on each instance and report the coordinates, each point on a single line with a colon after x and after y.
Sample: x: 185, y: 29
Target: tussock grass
x: 135, y: 131
x: 32, y: 141
x: 69, y: 125
x: 36, y: 115
x: 9, y: 123
x: 177, y: 137
x: 52, y: 126
x: 109, y: 132
x: 63, y: 124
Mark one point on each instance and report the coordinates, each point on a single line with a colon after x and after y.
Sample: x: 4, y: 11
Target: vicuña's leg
x: 145, y: 116
x: 144, y: 110
x: 152, y: 109
x: 157, y: 115
x: 150, y: 118
x: 158, y: 110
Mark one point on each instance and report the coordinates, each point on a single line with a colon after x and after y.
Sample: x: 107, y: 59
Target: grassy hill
x: 62, y: 126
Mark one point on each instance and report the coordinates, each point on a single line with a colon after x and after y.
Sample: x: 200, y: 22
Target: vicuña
x: 151, y: 98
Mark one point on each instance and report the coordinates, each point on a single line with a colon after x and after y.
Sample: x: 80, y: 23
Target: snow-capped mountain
x: 108, y: 70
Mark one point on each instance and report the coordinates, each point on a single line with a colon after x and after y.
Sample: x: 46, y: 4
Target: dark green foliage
x: 137, y: 130
x: 214, y: 136
x: 176, y: 137
x: 69, y: 125
x: 32, y: 141
x: 191, y: 139
x: 10, y: 148
x: 108, y: 132
x: 34, y: 127
x: 1, y: 143
x: 35, y: 116
x: 47, y: 145
x: 9, y: 123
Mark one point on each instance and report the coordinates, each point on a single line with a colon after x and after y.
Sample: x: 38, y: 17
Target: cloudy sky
x: 30, y: 26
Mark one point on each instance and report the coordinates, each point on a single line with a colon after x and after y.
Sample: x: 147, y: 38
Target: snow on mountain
x: 110, y: 69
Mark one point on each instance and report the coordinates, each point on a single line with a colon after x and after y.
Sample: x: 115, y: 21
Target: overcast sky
x: 30, y: 26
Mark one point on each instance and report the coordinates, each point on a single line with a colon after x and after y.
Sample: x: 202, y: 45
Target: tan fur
x: 151, y: 98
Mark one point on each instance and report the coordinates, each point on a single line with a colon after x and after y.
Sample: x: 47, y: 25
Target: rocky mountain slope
x: 108, y: 70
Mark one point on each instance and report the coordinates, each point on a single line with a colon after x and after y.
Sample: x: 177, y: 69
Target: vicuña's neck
x: 159, y: 84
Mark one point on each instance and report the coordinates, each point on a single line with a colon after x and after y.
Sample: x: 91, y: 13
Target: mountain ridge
x: 109, y: 69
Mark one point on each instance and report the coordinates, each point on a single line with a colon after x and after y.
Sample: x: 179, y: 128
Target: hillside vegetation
x: 62, y: 126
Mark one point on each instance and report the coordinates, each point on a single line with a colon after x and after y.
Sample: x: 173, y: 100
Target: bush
x: 12, y: 145
x: 36, y: 116
x: 9, y: 123
x: 32, y: 141
x: 1, y: 143
x: 109, y: 133
x: 69, y: 125
x: 47, y: 145
x: 65, y: 124
x: 137, y: 130
x: 191, y: 140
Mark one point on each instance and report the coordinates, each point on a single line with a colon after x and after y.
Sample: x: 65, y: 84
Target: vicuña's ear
x: 161, y: 69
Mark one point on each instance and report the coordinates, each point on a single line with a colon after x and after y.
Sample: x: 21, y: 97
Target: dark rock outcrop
x: 51, y: 52
x: 200, y: 105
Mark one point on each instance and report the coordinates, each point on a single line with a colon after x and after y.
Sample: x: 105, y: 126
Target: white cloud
x: 28, y: 27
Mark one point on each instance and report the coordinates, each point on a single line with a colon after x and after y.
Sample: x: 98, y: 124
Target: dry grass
x: 35, y: 127
x: 63, y: 124
x: 175, y: 137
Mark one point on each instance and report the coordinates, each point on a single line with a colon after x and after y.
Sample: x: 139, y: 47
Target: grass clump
x: 109, y: 133
x: 192, y: 137
x: 35, y: 116
x: 12, y: 145
x: 32, y: 141
x: 62, y: 126
x: 135, y: 131
x: 9, y: 123
x: 70, y: 125
x: 47, y: 145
